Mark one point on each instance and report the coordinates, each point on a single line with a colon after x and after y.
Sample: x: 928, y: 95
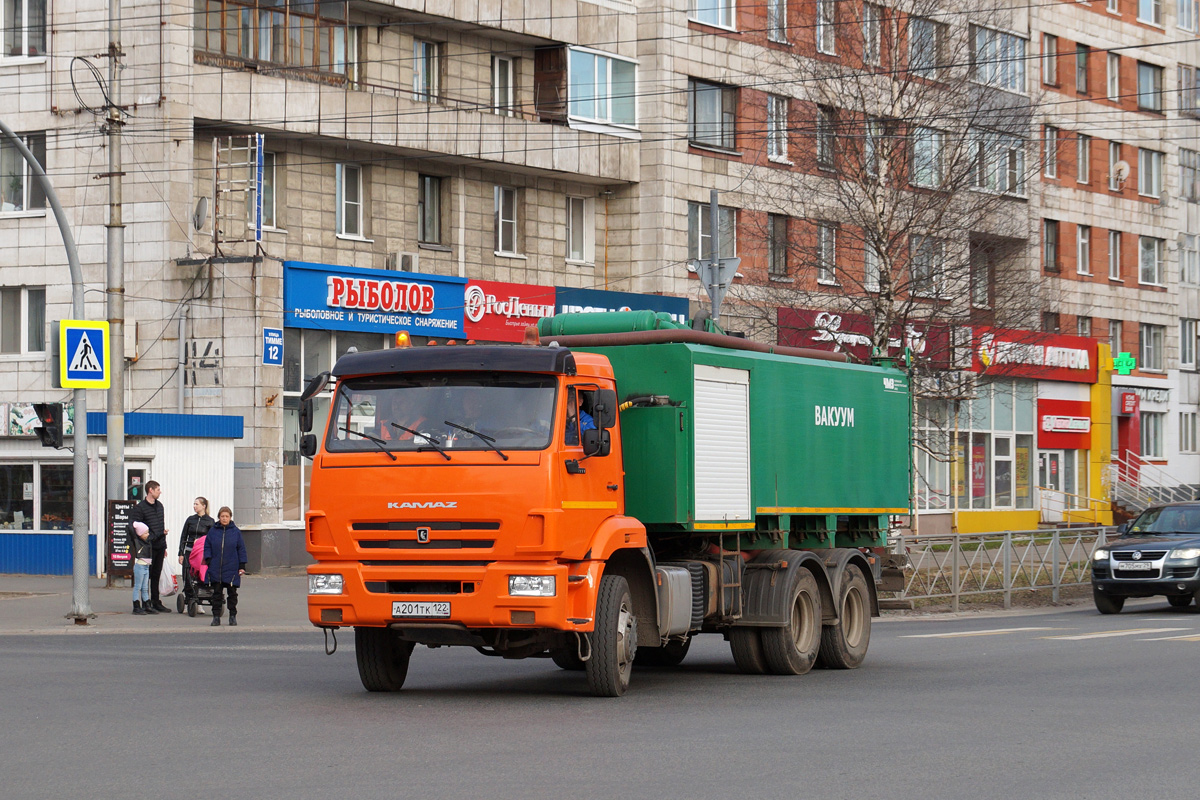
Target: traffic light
x: 50, y: 424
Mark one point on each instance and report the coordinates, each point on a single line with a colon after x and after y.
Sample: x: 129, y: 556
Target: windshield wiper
x: 376, y: 440
x: 488, y: 440
x: 428, y: 440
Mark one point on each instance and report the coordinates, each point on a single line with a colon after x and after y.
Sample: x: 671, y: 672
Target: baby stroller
x: 195, y: 591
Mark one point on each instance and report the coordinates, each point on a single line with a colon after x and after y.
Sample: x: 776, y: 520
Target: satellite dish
x: 1121, y: 170
x: 201, y: 213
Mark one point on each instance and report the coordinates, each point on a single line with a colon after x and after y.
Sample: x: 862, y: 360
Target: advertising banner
x: 500, y: 312
x: 851, y: 334
x: 1064, y: 424
x: 1029, y: 354
x: 372, y: 300
x: 575, y: 301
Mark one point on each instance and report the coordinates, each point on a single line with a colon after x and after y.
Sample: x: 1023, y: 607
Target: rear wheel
x: 670, y: 656
x: 746, y: 644
x: 1180, y: 601
x: 792, y: 649
x: 614, y: 641
x: 844, y: 645
x: 382, y: 659
x: 1107, y: 604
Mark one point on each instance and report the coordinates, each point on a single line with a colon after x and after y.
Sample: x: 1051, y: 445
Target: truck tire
x: 844, y: 645
x: 382, y: 659
x: 792, y: 649
x: 746, y: 644
x: 614, y: 641
x: 567, y: 659
x: 1106, y: 603
x: 670, y: 656
x: 1179, y: 601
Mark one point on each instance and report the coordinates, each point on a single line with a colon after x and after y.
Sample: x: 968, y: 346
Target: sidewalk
x: 38, y: 604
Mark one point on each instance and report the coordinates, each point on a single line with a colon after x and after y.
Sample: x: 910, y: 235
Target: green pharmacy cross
x: 1124, y: 363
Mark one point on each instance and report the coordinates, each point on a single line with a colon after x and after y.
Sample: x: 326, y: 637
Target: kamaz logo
x: 439, y: 504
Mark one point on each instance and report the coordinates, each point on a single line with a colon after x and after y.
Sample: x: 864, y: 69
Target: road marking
x: 1191, y: 637
x: 1107, y: 634
x: 957, y: 634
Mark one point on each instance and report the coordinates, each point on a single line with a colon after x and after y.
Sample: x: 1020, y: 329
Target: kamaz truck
x: 603, y: 497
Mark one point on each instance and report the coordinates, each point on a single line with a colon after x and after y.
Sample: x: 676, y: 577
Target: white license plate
x: 407, y: 609
x: 1135, y: 566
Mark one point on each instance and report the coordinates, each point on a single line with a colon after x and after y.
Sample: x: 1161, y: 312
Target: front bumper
x: 1165, y: 579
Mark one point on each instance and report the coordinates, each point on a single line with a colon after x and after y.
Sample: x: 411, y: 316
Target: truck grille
x: 420, y: 587
x: 1147, y: 555
x: 433, y: 544
x: 405, y: 525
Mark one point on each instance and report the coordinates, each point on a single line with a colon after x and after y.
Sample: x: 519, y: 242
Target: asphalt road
x: 1054, y: 703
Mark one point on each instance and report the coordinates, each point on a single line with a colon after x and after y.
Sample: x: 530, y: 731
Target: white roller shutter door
x: 722, y: 446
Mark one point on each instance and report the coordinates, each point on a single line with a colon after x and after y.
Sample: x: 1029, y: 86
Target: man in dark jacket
x: 150, y: 511
x: 225, y: 555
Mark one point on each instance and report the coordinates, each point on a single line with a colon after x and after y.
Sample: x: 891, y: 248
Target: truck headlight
x: 1186, y: 553
x: 1100, y: 555
x: 531, y: 585
x: 324, y: 584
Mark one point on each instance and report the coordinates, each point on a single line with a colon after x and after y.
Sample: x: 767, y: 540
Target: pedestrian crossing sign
x: 83, y: 354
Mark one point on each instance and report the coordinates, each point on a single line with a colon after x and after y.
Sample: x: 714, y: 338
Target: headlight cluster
x: 1100, y: 555
x: 324, y: 584
x: 1186, y: 553
x: 531, y: 585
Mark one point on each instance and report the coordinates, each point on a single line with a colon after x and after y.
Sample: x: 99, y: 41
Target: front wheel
x: 382, y: 659
x: 1106, y: 603
x: 1177, y: 601
x: 844, y: 645
x: 792, y: 649
x: 614, y: 641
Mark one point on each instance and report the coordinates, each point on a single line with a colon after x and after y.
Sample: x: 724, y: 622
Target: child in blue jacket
x: 225, y: 555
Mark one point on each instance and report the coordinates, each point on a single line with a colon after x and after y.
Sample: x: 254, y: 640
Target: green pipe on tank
x: 607, y: 322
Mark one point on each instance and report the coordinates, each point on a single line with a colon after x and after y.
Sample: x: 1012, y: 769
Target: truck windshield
x: 514, y: 412
x: 1167, y: 520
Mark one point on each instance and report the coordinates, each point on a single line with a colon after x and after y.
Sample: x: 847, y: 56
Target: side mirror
x: 306, y: 414
x: 604, y: 409
x: 596, y: 443
x: 1123, y: 529
x: 308, y: 445
x: 315, y: 386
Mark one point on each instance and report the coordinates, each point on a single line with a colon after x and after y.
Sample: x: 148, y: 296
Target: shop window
x: 1187, y: 432
x: 1152, y: 434
x: 36, y: 496
x: 1023, y: 471
x: 1002, y: 472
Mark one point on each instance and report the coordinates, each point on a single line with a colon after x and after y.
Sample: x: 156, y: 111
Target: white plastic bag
x: 168, y: 580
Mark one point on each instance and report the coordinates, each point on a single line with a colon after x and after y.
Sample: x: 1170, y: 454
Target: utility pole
x: 115, y: 288
x: 717, y: 273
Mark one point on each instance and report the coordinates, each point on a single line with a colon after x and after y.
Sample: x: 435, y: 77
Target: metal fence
x: 955, y: 566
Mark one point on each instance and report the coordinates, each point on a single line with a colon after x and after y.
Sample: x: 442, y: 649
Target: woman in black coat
x: 197, y: 525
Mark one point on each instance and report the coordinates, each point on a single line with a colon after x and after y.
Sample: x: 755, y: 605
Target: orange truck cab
x: 473, y: 496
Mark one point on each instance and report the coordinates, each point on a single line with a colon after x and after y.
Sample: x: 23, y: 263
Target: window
x: 1083, y: 158
x: 1114, y: 255
x: 1150, y: 346
x: 1115, y: 181
x: 827, y: 26
x: 1149, y: 87
x: 711, y: 114
x: 999, y: 162
x: 22, y: 320
x: 777, y: 246
x: 349, y: 200
x: 1049, y: 59
x: 1083, y: 326
x: 872, y: 146
x: 700, y: 231
x: 826, y: 131
x: 926, y: 45
x: 1114, y: 6
x: 928, y: 256
x: 19, y: 187
x: 505, y: 212
x: 1189, y: 260
x: 581, y: 226
x: 872, y: 23
x: 1050, y: 151
x: 777, y: 20
x: 1150, y: 11
x: 268, y: 192
x: 1115, y: 339
x: 1083, y: 249
x: 712, y: 12
x: 301, y: 34
x: 826, y: 253
x: 1152, y: 434
x: 1081, y: 68
x: 1189, y: 91
x: 1149, y: 172
x: 1189, y: 175
x: 1187, y: 432
x: 997, y: 59
x: 981, y: 275
x: 504, y: 85
x: 1186, y: 15
x: 602, y: 89
x: 429, y: 209
x: 24, y: 26
x: 872, y: 266
x: 928, y: 153
x: 426, y: 70
x: 777, y: 127
x: 1050, y: 322
x: 1114, y: 77
x: 1150, y: 260
x: 1050, y: 245
x: 1187, y: 343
